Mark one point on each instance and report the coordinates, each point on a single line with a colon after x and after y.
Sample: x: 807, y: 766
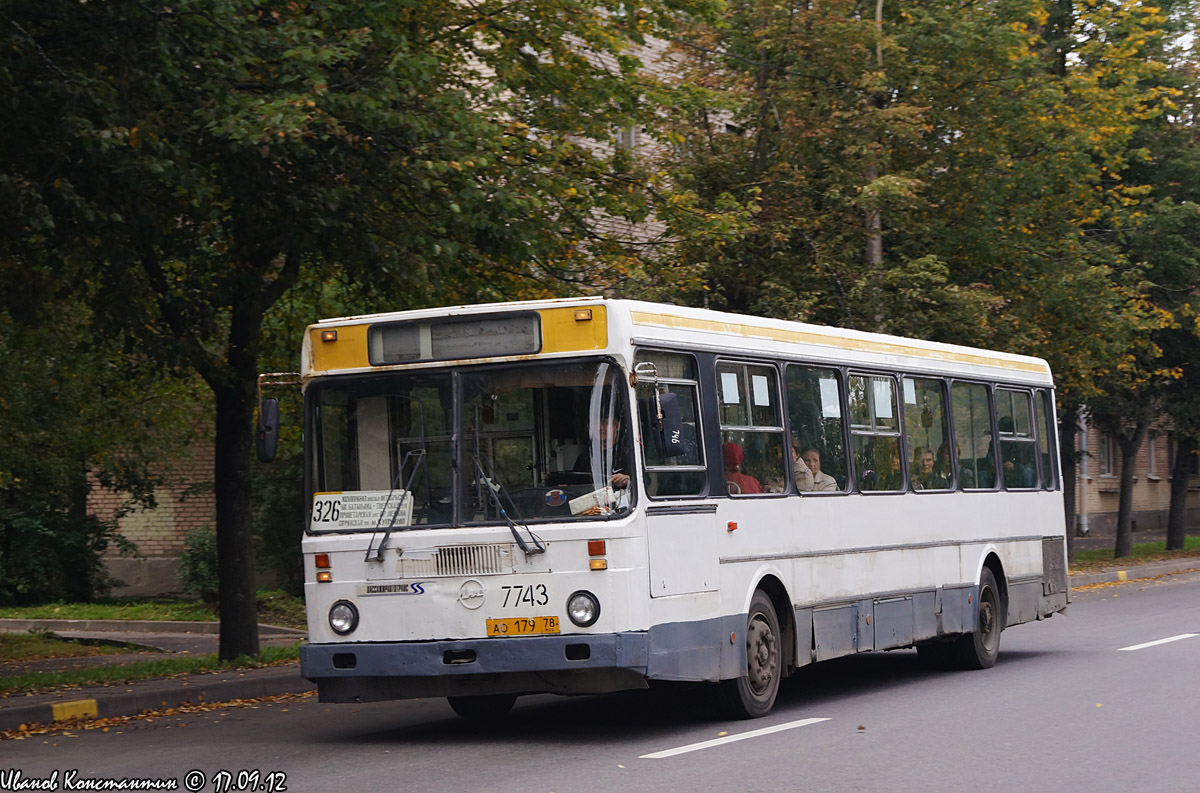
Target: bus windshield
x: 533, y: 442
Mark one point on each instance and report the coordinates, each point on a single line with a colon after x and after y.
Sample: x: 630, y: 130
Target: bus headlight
x: 583, y: 608
x: 343, y: 617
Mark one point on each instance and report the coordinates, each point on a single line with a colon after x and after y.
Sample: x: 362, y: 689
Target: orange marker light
x: 329, y: 335
x: 322, y: 560
x: 596, y: 548
x: 583, y: 314
x: 598, y: 564
x: 324, y: 576
x: 732, y: 525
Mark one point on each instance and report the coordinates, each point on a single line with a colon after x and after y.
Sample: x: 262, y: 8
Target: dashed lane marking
x: 1158, y: 642
x: 695, y: 747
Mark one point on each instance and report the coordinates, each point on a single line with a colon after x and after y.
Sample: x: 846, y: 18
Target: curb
x: 1135, y: 572
x: 135, y: 698
x: 134, y: 626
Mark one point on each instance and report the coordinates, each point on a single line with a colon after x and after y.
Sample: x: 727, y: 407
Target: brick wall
x: 185, y: 501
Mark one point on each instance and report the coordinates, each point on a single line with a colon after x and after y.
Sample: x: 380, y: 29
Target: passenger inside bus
x: 800, y: 468
x: 735, y: 481
x: 925, y: 477
x: 822, y: 482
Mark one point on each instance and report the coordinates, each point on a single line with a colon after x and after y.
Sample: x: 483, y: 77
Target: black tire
x: 490, y: 707
x: 753, y: 695
x: 979, y: 649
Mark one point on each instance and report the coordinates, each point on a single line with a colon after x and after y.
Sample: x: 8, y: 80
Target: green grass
x: 142, y: 670
x: 275, y: 607
x: 1141, y: 552
x: 114, y: 609
x: 37, y: 645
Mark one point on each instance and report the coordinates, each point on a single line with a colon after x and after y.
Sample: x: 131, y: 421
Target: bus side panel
x: 700, y: 650
x: 835, y: 630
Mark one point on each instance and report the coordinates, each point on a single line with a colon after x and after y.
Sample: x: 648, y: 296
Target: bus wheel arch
x: 770, y: 638
x: 979, y: 648
x: 992, y: 562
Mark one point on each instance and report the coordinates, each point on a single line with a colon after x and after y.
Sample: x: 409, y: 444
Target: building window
x: 1107, y: 454
x: 1152, y: 454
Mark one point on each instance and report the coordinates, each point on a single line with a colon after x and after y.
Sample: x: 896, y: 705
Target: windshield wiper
x: 404, y: 494
x: 494, y: 492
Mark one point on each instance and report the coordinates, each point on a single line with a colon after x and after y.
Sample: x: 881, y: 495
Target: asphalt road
x: 1074, y: 704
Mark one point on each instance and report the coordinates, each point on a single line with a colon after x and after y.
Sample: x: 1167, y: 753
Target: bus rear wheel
x: 753, y: 695
x: 489, y: 707
x: 979, y: 649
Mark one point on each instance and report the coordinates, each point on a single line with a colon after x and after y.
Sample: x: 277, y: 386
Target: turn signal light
x: 598, y: 564
x: 324, y: 576
x: 596, y: 548
x: 583, y: 314
x: 329, y: 335
x: 322, y: 560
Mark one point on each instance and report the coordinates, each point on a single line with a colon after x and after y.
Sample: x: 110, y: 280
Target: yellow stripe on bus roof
x: 808, y: 337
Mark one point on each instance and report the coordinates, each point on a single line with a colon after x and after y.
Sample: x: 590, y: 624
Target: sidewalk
x: 1106, y: 539
x: 164, y: 640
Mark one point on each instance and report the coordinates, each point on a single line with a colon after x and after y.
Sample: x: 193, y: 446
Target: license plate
x: 522, y: 626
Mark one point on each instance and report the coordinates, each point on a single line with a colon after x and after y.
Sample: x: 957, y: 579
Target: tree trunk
x: 1177, y: 517
x: 235, y: 541
x: 1129, y: 443
x: 1068, y: 464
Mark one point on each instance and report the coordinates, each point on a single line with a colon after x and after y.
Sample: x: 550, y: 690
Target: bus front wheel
x: 753, y: 695
x: 483, y: 708
x: 979, y: 649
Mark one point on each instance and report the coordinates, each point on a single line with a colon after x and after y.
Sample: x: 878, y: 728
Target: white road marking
x: 695, y: 747
x: 1160, y: 641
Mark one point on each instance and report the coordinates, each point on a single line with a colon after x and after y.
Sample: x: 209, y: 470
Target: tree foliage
x: 989, y: 140
x: 187, y: 160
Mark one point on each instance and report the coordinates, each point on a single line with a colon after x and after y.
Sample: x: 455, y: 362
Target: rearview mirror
x: 267, y: 433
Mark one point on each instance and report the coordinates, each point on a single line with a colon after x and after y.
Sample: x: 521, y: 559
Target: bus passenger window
x: 751, y: 429
x: 875, y: 433
x: 685, y: 474
x: 973, y: 431
x: 927, y: 434
x: 815, y: 408
x: 1018, y: 452
x: 1045, y: 439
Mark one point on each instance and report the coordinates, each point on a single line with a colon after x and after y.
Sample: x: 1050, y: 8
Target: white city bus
x: 582, y: 496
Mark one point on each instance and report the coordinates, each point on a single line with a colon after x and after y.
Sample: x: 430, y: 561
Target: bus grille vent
x: 460, y: 560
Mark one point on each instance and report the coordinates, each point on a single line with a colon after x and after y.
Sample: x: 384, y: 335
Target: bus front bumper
x: 570, y: 664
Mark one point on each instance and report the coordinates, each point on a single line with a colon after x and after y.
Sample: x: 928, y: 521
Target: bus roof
x: 624, y: 323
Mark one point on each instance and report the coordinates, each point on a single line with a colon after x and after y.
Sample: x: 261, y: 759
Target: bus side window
x: 1017, y: 445
x: 751, y: 428
x: 927, y: 434
x: 685, y: 474
x: 1046, y: 440
x: 875, y: 432
x: 973, y: 431
x: 815, y: 409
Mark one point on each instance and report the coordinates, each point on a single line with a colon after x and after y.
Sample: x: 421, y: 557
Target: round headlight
x: 343, y: 617
x: 583, y: 608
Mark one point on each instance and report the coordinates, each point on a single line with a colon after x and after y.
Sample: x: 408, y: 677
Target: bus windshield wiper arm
x: 495, y: 492
x: 406, y: 493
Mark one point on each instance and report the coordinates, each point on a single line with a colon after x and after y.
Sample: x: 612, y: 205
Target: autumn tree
x: 188, y: 160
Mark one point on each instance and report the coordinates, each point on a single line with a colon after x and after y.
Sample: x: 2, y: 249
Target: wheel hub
x: 762, y: 655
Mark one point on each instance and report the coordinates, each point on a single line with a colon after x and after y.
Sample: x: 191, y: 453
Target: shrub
x: 198, y: 565
x: 46, y: 555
